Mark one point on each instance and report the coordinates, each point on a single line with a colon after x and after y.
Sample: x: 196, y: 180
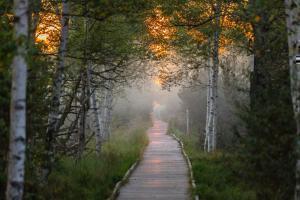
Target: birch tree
x: 83, y: 113
x: 95, y: 111
x: 293, y: 26
x: 84, y: 95
x: 208, y: 108
x: 212, y: 87
x: 17, y: 146
x: 54, y: 114
x: 108, y: 107
x: 187, y: 115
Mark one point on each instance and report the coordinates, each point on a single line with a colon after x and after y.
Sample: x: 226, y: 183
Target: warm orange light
x: 160, y: 49
x: 227, y: 22
x: 48, y: 29
x: 160, y: 30
x: 157, y: 81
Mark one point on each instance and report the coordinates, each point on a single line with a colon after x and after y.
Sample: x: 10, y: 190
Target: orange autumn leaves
x: 227, y: 24
x: 161, y: 32
x: 48, y: 29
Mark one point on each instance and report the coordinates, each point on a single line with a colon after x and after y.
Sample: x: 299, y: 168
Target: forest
x: 160, y: 99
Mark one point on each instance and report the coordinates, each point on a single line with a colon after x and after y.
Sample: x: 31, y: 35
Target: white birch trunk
x: 213, y: 86
x: 208, y: 109
x: 54, y: 114
x: 59, y: 76
x: 215, y: 76
x: 109, y: 110
x: 106, y: 107
x: 293, y: 27
x: 105, y: 113
x: 97, y: 124
x: 94, y: 107
x: 84, y: 87
x: 210, y: 112
x: 187, y: 121
x: 82, y: 121
x: 17, y: 145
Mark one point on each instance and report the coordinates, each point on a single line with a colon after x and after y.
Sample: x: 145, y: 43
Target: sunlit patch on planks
x: 163, y: 172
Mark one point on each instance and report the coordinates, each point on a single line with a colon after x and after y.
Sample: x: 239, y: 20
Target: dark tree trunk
x: 271, y: 125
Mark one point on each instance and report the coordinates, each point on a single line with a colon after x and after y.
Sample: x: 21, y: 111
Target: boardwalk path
x: 163, y: 172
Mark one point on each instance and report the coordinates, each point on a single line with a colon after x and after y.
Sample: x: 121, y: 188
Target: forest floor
x: 162, y: 173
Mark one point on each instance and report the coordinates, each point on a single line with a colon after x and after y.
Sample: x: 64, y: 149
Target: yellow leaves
x: 160, y: 30
x: 159, y: 26
x: 228, y: 23
x: 160, y: 49
x: 48, y: 29
x: 197, y: 35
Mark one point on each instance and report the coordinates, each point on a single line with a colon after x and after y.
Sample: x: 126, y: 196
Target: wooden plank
x: 162, y: 174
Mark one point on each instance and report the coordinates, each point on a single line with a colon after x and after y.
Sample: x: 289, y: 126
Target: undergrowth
x: 217, y: 175
x: 95, y: 177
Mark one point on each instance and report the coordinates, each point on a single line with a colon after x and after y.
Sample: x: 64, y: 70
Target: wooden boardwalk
x: 163, y: 172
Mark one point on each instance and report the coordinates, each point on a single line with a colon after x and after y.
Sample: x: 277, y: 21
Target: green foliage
x: 95, y: 177
x: 268, y: 150
x: 6, y: 53
x: 217, y: 175
x: 4, y: 125
x: 37, y: 83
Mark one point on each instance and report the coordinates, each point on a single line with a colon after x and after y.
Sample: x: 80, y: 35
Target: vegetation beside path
x: 93, y: 177
x: 217, y: 175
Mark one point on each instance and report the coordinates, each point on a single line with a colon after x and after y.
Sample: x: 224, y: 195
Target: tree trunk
x: 84, y: 95
x: 208, y: 109
x: 82, y: 121
x: 104, y: 113
x: 293, y: 27
x: 109, y: 110
x: 215, y: 77
x: 54, y: 113
x: 187, y: 115
x: 17, y: 145
x: 36, y: 6
x: 270, y: 120
x: 213, y: 85
x: 94, y: 107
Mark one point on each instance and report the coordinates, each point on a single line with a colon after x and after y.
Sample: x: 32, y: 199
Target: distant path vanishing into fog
x: 162, y: 173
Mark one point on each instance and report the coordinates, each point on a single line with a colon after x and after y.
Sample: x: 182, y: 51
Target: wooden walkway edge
x: 163, y: 173
x: 193, y: 182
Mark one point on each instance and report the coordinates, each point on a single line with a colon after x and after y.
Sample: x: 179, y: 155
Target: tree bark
x: 17, y: 145
x: 208, y: 109
x: 109, y: 110
x: 104, y: 113
x: 293, y: 27
x: 54, y: 114
x: 187, y: 115
x: 97, y: 119
x: 82, y: 121
x: 213, y: 85
x: 270, y: 140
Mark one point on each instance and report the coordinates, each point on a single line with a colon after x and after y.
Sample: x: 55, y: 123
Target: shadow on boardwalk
x: 163, y: 172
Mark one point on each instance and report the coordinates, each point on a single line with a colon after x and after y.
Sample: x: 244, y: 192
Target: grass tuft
x: 217, y: 174
x: 95, y: 177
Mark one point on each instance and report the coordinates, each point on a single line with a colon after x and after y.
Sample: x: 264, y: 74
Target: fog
x: 137, y: 102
